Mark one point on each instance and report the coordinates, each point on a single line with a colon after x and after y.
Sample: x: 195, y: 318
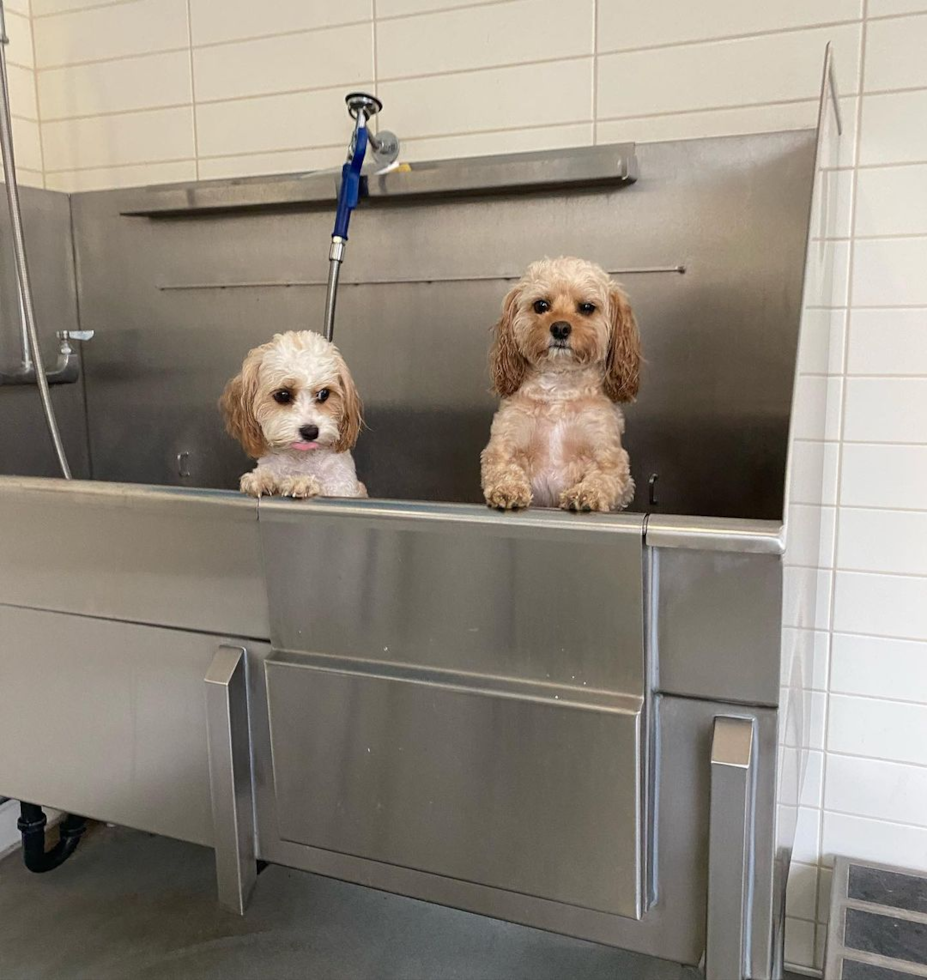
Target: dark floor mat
x: 878, y: 923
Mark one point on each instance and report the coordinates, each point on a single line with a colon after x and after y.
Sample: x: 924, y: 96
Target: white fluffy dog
x: 294, y: 409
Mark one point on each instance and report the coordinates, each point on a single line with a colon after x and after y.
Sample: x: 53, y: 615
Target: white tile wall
x: 23, y: 99
x: 873, y: 840
x: 886, y: 409
x: 876, y: 667
x: 161, y: 90
x: 889, y: 341
x: 895, y: 54
x: 483, y: 37
x: 113, y: 31
x: 624, y: 24
x: 880, y: 605
x: 877, y: 789
x: 890, y: 132
x: 884, y: 476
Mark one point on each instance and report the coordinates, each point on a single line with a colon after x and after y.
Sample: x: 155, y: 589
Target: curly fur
x: 303, y: 364
x: 556, y: 438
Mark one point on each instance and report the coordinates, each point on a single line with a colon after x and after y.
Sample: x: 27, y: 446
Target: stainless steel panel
x: 673, y: 928
x: 730, y: 847
x: 184, y: 559
x: 540, y: 170
x: 512, y: 786
x: 543, y: 596
x: 107, y: 720
x: 717, y: 619
x: 230, y: 789
x: 720, y: 340
x: 25, y: 446
x: 811, y: 408
x: 715, y: 534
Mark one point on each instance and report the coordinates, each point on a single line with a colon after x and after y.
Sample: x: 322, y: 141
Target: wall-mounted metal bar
x: 513, y: 173
x: 290, y: 283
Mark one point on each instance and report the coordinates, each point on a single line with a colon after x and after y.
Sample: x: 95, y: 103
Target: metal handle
x: 730, y: 847
x: 74, y: 335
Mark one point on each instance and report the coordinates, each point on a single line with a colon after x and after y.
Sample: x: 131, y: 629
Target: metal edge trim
x: 715, y: 534
x: 541, y: 519
x: 131, y: 493
x: 485, y: 685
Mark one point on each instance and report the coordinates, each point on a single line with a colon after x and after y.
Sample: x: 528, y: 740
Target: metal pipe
x: 24, y: 338
x: 361, y: 107
x: 19, y: 253
x: 31, y: 826
x: 335, y: 258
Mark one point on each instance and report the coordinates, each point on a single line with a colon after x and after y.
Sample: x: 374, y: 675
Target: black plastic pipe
x: 31, y: 824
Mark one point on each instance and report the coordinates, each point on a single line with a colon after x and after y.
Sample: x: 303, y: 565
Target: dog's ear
x: 623, y: 361
x: 353, y: 418
x: 237, y: 405
x: 507, y: 366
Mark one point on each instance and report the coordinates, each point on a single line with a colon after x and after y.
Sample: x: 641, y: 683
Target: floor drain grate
x: 878, y: 923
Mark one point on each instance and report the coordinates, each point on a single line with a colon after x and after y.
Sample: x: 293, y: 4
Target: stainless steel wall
x: 720, y: 339
x: 25, y: 446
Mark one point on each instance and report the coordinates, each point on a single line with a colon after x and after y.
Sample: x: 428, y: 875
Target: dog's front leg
x: 505, y: 481
x: 300, y: 487
x: 260, y: 482
x: 606, y: 485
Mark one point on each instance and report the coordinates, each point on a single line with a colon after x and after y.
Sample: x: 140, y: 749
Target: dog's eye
x: 283, y: 396
x: 587, y: 309
x: 541, y: 306
x: 323, y: 394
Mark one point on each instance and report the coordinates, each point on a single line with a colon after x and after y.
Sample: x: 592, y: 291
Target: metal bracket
x: 730, y: 848
x: 230, y: 777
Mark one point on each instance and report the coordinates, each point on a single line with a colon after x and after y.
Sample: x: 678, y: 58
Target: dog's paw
x: 299, y: 486
x: 587, y: 497
x: 510, y: 495
x: 258, y: 484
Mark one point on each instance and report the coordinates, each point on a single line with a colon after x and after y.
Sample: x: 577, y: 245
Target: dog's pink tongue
x: 305, y: 446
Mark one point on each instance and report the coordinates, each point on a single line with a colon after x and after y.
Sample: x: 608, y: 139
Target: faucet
x: 66, y: 370
x: 384, y: 150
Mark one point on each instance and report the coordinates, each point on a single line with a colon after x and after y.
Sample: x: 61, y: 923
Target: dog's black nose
x: 309, y: 432
x: 560, y: 330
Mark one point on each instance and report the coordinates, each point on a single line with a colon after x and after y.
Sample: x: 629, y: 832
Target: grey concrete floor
x: 137, y: 907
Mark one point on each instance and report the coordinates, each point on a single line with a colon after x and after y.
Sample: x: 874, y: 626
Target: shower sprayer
x: 384, y: 150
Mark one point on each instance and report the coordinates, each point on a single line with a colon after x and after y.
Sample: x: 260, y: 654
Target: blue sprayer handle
x: 349, y: 192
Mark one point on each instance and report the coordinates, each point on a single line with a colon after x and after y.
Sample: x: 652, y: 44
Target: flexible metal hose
x: 19, y: 254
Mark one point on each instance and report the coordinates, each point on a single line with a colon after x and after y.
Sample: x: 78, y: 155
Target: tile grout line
x: 331, y: 88
x: 734, y: 38
x: 595, y: 71
x: 376, y: 63
x: 196, y: 140
x: 842, y: 431
x: 859, y: 816
x: 881, y: 636
x: 79, y: 10
x: 35, y: 83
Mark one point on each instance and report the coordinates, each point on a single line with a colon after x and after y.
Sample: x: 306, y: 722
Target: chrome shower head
x: 361, y: 102
x: 384, y: 145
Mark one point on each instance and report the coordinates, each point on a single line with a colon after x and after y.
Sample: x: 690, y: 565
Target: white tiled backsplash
x: 142, y: 91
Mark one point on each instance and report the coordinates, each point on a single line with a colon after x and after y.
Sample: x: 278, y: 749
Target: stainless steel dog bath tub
x: 422, y: 716
x: 587, y: 723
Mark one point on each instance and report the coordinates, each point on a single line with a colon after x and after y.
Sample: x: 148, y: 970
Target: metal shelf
x: 512, y: 174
